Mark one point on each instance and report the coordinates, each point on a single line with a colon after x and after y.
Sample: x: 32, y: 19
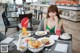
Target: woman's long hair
x: 52, y: 8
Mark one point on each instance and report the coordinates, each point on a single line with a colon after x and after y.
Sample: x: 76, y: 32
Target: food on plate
x: 25, y: 33
x: 45, y: 40
x: 28, y: 39
x: 41, y: 32
x: 35, y: 43
x: 22, y: 47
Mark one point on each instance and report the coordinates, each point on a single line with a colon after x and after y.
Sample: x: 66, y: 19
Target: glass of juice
x: 58, y: 32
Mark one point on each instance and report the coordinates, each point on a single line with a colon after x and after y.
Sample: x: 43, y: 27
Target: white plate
x: 41, y: 33
x: 50, y: 40
x: 64, y: 37
x: 28, y: 39
x: 25, y: 35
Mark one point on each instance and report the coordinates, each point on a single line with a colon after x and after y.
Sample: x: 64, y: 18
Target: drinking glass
x: 58, y: 32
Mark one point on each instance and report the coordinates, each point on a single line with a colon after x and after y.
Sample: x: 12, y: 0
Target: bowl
x: 22, y: 47
x: 35, y: 49
x: 35, y: 46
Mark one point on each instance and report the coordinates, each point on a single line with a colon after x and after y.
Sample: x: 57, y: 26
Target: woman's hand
x: 56, y: 18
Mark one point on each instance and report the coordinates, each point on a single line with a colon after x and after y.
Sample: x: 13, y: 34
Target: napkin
x: 7, y: 40
x: 61, y: 47
x: 54, y: 37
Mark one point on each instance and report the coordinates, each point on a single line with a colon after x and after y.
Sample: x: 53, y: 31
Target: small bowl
x: 22, y: 50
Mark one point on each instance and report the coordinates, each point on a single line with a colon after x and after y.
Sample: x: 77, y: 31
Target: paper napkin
x: 61, y: 47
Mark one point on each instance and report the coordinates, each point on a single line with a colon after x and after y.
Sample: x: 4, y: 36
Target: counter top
x: 69, y: 8
x: 60, y: 7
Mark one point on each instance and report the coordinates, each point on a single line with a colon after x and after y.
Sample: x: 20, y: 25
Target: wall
x: 74, y: 29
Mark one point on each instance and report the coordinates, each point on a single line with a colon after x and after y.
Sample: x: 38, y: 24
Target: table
x: 69, y: 42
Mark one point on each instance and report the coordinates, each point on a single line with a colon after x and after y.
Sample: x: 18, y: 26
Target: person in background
x: 52, y: 22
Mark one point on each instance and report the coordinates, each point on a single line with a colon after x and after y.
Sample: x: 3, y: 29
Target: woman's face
x: 52, y: 14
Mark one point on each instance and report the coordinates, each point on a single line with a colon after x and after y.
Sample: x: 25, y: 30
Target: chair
x: 40, y: 13
x: 35, y: 12
x: 7, y: 23
x: 35, y: 21
x: 21, y: 16
x: 41, y: 25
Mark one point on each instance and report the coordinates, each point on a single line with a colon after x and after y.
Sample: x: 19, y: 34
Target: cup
x: 58, y: 32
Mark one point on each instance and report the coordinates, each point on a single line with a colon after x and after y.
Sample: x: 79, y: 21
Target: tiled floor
x: 67, y: 26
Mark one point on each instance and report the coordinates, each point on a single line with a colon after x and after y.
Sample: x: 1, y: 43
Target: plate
x: 25, y: 40
x: 41, y: 33
x: 65, y: 36
x: 51, y: 42
x: 27, y: 35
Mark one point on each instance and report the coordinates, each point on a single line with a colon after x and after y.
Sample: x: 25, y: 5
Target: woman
x: 52, y: 21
